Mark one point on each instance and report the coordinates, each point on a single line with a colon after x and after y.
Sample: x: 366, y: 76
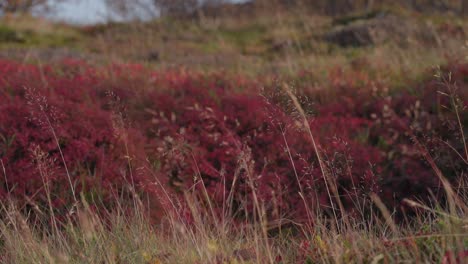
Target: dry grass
x: 279, y: 42
x: 436, y: 233
x: 120, y: 237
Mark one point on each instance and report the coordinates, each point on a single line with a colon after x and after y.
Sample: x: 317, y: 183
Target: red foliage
x: 182, y: 128
x: 455, y: 257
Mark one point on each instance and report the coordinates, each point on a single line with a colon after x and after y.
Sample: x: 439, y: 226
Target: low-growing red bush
x: 126, y: 126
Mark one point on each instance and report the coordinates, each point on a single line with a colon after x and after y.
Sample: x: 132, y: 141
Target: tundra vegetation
x: 263, y: 132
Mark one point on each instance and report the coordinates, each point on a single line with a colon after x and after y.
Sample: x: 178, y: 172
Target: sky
x: 79, y: 11
x: 84, y: 11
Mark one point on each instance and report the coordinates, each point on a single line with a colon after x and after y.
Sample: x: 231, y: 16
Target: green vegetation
x: 28, y: 32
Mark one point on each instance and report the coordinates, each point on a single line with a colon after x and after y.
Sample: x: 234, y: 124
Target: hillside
x: 285, y: 41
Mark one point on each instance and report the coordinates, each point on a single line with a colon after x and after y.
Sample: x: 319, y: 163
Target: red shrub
x: 185, y: 127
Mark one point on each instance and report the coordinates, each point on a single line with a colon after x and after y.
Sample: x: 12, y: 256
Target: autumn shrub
x: 426, y: 116
x: 72, y: 128
x: 55, y: 126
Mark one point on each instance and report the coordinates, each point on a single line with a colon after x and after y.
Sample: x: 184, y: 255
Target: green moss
x: 50, y: 40
x: 8, y: 34
x: 209, y: 47
x: 245, y: 36
x: 29, y: 38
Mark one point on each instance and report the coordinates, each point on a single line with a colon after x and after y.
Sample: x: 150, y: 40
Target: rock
x: 378, y: 29
x: 153, y: 56
x: 361, y: 32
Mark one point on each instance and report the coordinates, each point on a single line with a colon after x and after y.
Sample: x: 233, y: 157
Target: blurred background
x: 240, y: 36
